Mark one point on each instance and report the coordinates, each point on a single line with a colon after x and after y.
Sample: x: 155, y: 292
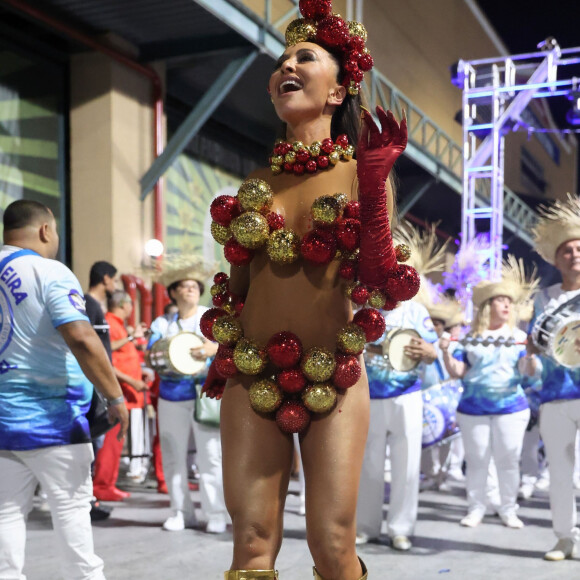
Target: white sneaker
x: 362, y: 538
x: 216, y: 525
x: 563, y: 550
x: 543, y: 484
x: 456, y: 475
x: 472, y: 519
x: 401, y: 543
x: 512, y: 521
x: 179, y: 521
x: 526, y: 491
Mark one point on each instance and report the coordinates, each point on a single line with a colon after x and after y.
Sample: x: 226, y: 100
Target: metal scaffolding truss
x: 495, y: 97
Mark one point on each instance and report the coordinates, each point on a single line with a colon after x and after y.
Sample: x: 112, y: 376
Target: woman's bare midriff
x: 301, y: 298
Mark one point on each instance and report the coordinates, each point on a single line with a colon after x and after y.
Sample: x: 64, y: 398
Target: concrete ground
x: 134, y: 547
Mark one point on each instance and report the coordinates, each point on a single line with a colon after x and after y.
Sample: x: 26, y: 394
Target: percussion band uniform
x: 44, y: 396
x: 396, y: 417
x: 177, y: 396
x: 493, y: 414
x: 559, y: 423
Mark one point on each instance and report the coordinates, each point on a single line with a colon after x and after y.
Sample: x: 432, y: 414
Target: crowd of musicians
x: 450, y: 397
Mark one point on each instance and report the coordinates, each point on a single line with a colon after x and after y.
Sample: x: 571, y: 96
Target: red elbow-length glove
x: 377, y: 152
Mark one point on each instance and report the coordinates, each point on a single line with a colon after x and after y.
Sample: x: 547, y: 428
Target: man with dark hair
x: 49, y: 356
x: 102, y: 283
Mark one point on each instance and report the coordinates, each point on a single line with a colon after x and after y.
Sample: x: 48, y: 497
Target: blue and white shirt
x: 175, y: 387
x: 492, y: 384
x: 558, y: 382
x: 44, y: 395
x: 385, y: 382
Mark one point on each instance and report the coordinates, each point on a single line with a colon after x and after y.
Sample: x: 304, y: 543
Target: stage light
x: 573, y: 115
x: 154, y: 248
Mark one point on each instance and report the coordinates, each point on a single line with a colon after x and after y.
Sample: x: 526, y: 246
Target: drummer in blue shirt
x: 557, y: 240
x: 493, y: 411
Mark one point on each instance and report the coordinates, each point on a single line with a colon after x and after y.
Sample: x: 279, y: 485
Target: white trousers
x: 559, y: 422
x: 530, y: 459
x: 65, y: 475
x: 139, y: 441
x: 500, y: 437
x: 175, y: 424
x: 398, y: 421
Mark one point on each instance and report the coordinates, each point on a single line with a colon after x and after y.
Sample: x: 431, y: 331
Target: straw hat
x: 558, y: 223
x: 448, y: 310
x: 514, y: 284
x: 178, y: 267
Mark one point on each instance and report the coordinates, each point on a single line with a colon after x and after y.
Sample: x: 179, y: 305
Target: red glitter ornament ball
x: 302, y: 156
x: 318, y: 246
x: 207, y: 319
x: 347, y: 269
x: 390, y: 304
x: 352, y: 210
x: 322, y: 161
x: 359, y: 295
x: 347, y: 371
x: 403, y: 283
x: 356, y: 43
x: 315, y: 9
x: 327, y: 146
x: 342, y: 140
x: 311, y: 166
x: 298, y: 168
x: 292, y: 417
x: 220, y: 278
x: 236, y: 254
x: 348, y: 234
x: 238, y: 304
x: 333, y: 31
x: 284, y: 349
x: 366, y: 62
x: 291, y: 380
x: 224, y: 362
x: 220, y: 299
x: 275, y: 221
x: 224, y: 209
x: 372, y: 322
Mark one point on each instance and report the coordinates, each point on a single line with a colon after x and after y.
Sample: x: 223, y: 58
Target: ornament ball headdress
x: 331, y: 31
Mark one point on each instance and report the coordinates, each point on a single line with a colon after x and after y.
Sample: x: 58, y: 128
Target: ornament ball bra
x: 292, y: 382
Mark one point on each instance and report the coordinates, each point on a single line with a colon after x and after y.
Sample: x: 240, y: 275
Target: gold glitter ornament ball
x: 342, y: 199
x: 377, y: 299
x: 402, y: 253
x: 348, y: 153
x: 325, y: 209
x: 357, y: 29
x: 250, y: 229
x: 255, y: 195
x: 227, y: 330
x: 349, y: 286
x: 248, y: 357
x: 318, y: 364
x: 300, y: 30
x: 220, y: 233
x: 218, y: 289
x: 265, y: 396
x: 351, y: 339
x: 283, y: 246
x: 319, y: 397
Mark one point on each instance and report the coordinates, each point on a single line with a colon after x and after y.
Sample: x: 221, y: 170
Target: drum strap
x: 573, y: 302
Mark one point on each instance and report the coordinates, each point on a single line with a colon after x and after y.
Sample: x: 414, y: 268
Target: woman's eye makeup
x: 301, y: 56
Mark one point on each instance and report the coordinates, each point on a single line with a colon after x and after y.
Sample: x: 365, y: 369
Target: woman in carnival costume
x: 557, y: 240
x: 300, y: 245
x: 493, y: 412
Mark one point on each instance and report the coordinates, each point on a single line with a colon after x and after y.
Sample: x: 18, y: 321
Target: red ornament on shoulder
x: 403, y: 283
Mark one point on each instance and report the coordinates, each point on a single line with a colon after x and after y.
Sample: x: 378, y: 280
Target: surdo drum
x: 173, y: 355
